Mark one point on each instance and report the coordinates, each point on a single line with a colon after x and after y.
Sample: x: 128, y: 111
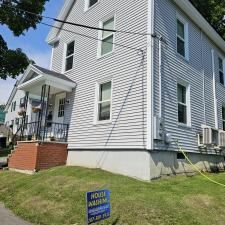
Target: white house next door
x: 59, y: 108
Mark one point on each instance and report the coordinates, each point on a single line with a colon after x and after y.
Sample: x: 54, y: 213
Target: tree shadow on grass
x: 116, y: 221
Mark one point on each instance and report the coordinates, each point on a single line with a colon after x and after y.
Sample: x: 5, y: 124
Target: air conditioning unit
x: 210, y: 136
x: 221, y: 139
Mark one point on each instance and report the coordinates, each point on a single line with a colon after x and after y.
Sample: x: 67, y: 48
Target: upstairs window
x: 223, y: 117
x: 107, y: 37
x: 90, y: 3
x: 221, y: 72
x: 104, y: 101
x: 69, y: 56
x: 182, y: 38
x: 183, y: 99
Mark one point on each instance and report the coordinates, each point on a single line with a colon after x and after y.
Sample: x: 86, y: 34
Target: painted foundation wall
x: 130, y: 163
x: 163, y: 163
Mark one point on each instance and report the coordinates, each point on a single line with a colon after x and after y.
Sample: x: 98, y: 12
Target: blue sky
x: 32, y: 43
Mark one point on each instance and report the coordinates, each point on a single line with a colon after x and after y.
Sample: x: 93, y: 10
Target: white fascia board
x: 62, y: 16
x: 199, y: 20
x: 60, y: 81
x: 32, y: 82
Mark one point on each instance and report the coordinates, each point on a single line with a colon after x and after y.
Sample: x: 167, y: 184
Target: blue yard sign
x: 98, y: 206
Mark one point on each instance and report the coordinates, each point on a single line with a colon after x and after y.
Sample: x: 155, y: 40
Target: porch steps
x: 35, y: 155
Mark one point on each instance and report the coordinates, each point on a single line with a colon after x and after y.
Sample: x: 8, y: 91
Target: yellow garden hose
x: 195, y: 167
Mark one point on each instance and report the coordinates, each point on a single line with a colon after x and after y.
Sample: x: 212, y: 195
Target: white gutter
x: 214, y: 90
x: 150, y: 76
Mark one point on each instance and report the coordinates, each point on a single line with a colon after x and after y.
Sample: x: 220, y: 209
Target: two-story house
x: 152, y: 74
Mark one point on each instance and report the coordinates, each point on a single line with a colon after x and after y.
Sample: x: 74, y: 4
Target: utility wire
x: 79, y: 25
x: 93, y: 38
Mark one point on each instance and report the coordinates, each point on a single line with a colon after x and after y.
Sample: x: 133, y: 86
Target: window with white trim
x: 69, y: 57
x: 183, y: 95
x: 182, y: 36
x: 61, y: 109
x: 107, y: 37
x: 90, y: 3
x: 104, y: 101
x: 223, y: 117
x: 221, y: 71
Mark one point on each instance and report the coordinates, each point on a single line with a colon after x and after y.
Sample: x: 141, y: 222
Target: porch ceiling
x: 35, y: 77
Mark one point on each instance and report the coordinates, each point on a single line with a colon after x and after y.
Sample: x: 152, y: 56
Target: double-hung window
x: 221, y: 72
x: 223, y: 117
x: 13, y: 106
x: 69, y: 56
x: 107, y: 37
x: 90, y: 3
x: 183, y: 104
x: 22, y: 102
x: 182, y: 38
x: 104, y: 101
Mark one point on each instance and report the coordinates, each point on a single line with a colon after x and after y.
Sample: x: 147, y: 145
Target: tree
x: 14, y: 62
x: 214, y: 12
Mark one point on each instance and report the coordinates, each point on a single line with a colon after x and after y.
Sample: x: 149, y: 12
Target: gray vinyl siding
x: 175, y: 67
x: 128, y: 130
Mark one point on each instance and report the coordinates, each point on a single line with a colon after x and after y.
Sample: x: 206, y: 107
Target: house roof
x: 185, y: 5
x: 53, y: 73
x: 54, y: 76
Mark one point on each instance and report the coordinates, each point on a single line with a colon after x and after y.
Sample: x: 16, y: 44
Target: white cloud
x: 41, y: 58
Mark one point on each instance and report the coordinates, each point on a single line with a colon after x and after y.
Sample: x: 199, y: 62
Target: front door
x: 59, y: 108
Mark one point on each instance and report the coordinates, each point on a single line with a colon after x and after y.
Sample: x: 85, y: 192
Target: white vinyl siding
x: 107, y: 37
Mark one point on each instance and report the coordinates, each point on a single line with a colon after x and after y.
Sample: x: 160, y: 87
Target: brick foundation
x: 34, y: 156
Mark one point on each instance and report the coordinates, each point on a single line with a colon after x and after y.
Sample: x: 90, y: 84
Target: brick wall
x: 35, y: 156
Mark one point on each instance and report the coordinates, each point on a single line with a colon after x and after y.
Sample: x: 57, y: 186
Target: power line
x: 80, y: 25
x: 93, y: 38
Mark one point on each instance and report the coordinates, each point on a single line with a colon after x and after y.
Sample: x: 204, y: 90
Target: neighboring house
x: 125, y: 109
x: 2, y: 114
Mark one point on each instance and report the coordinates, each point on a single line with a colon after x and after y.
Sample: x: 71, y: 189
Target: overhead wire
x: 78, y: 24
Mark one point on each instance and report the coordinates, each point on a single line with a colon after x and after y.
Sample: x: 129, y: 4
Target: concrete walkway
x: 8, y: 218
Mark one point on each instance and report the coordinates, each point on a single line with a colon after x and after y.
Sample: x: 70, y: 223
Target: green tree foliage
x: 14, y: 62
x: 214, y: 12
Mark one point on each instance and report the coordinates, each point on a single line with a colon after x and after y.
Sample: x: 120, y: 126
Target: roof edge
x: 62, y: 16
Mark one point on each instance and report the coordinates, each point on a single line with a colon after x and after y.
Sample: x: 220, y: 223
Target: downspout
x: 214, y: 90
x: 203, y: 77
x: 150, y: 75
x: 160, y: 77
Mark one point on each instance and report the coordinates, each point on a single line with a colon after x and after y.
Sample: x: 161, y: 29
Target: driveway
x: 8, y: 218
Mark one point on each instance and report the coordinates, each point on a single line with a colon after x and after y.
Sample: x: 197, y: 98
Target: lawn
x: 57, y: 197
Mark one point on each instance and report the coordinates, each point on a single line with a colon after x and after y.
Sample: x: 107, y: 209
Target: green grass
x: 57, y: 197
x: 5, y: 152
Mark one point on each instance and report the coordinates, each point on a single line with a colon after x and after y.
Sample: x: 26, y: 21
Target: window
x: 104, y: 101
x: 107, y: 37
x: 221, y: 73
x: 69, y: 56
x: 22, y: 102
x: 90, y: 3
x: 183, y: 95
x: 13, y: 106
x: 61, y: 109
x: 182, y: 36
x: 223, y: 117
